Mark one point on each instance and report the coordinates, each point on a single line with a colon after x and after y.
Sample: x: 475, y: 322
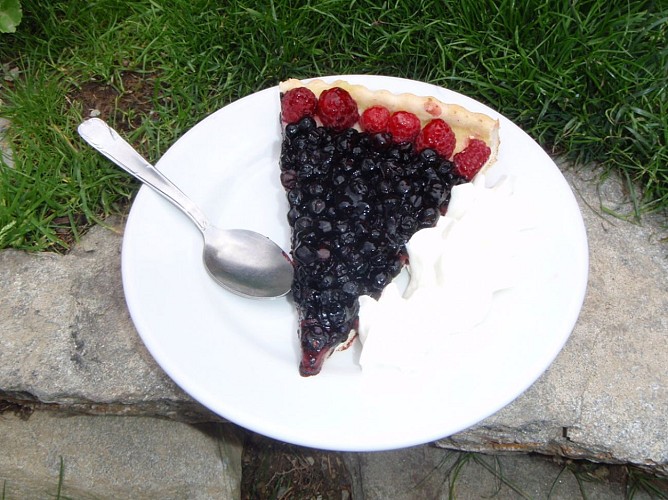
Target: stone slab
x: 109, y: 457
x: 68, y: 343
x: 117, y: 457
x: 6, y: 155
x: 429, y: 472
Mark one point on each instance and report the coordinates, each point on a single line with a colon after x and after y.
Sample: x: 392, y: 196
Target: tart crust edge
x: 464, y: 123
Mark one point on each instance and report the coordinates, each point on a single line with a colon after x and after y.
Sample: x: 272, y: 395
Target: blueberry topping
x: 355, y: 200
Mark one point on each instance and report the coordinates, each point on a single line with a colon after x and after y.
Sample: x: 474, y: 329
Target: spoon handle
x: 107, y: 141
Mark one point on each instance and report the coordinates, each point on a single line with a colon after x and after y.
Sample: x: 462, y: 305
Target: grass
x: 586, y: 79
x: 454, y: 465
x: 59, y: 487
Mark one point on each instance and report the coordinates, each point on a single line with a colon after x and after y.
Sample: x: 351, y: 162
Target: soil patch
x: 124, y: 105
x: 272, y: 469
x: 17, y: 409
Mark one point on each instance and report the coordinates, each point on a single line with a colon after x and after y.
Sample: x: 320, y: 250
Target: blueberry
x: 351, y: 288
x: 288, y: 179
x: 302, y: 223
x: 305, y: 255
x: 348, y: 238
x: 324, y: 253
x: 415, y: 200
x: 339, y: 180
x: 316, y: 206
x: 324, y: 226
x: 436, y: 191
x: 342, y: 226
x: 381, y: 141
x: 368, y: 166
x: 403, y: 187
x: 307, y: 236
x: 367, y: 248
x: 315, y: 338
x: 315, y: 189
x: 293, y: 215
x: 429, y: 156
x: 291, y: 130
x: 295, y: 196
x: 305, y: 172
x: 384, y: 187
x: 408, y: 224
x: 306, y: 124
x: 361, y: 210
x: 380, y: 280
x: 359, y: 187
x: 327, y: 281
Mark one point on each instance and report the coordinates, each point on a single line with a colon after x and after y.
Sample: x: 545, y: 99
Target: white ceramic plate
x: 239, y: 357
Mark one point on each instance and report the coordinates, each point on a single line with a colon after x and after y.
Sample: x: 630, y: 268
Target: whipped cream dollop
x: 475, y: 250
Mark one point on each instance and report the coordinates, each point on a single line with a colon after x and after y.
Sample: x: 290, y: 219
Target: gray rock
x: 117, y: 457
x: 6, y: 155
x: 605, y: 398
x: 68, y: 341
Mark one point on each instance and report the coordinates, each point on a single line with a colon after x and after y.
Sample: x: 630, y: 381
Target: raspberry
x: 437, y: 135
x: 404, y: 126
x: 337, y: 109
x: 375, y: 119
x: 469, y: 161
x: 297, y: 103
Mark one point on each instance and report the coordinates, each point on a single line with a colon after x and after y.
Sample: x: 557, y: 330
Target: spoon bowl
x: 242, y: 261
x: 246, y: 263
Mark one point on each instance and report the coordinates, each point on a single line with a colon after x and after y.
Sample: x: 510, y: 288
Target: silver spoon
x: 244, y: 262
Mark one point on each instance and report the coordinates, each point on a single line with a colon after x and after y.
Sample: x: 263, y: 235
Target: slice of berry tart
x: 363, y: 171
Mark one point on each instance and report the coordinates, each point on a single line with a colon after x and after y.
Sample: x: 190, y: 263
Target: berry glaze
x: 355, y: 198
